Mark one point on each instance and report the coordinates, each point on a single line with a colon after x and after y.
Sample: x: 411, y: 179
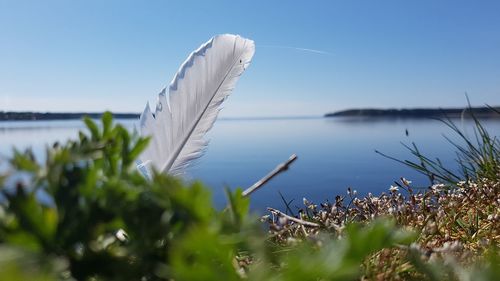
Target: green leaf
x: 25, y: 161
x: 238, y: 205
x: 139, y: 147
x: 19, y: 265
x: 202, y: 255
x: 107, y: 122
x: 92, y: 126
x: 39, y: 220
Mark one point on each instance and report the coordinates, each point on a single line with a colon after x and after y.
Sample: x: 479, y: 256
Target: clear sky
x: 116, y: 55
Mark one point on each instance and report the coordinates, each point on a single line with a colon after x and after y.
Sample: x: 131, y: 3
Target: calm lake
x: 333, y: 153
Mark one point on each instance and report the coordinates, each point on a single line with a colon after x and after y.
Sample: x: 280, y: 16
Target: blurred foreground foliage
x: 86, y: 213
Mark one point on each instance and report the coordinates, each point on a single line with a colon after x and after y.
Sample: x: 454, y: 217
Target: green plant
x: 477, y: 157
x: 89, y: 206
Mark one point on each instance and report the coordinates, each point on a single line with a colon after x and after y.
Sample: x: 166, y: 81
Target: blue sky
x: 116, y: 55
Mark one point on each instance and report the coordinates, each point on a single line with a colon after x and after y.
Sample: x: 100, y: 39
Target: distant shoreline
x: 33, y: 116
x: 479, y: 112
x: 54, y: 116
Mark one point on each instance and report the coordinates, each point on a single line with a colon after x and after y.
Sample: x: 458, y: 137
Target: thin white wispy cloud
x: 321, y: 52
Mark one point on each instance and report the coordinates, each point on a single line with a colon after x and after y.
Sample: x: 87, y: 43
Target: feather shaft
x: 187, y: 113
x: 176, y: 153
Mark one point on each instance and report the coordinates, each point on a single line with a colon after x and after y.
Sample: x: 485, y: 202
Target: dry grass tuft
x: 454, y: 223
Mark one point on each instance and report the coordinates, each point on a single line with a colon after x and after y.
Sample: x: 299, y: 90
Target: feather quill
x: 187, y: 112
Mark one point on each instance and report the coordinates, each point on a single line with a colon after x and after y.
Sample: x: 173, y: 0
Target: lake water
x: 333, y: 153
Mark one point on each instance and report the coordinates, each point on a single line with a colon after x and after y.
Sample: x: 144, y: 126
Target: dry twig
x: 280, y: 168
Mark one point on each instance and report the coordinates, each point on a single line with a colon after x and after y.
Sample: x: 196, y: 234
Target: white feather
x: 184, y: 115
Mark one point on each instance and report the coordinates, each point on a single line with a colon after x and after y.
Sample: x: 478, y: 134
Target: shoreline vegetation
x: 469, y: 112
x: 478, y: 112
x: 102, y: 220
x: 32, y: 116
